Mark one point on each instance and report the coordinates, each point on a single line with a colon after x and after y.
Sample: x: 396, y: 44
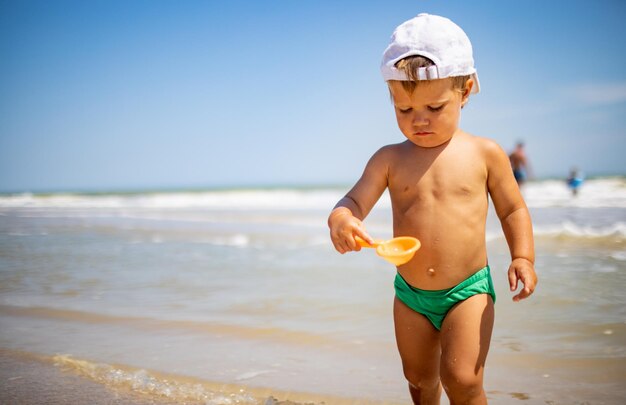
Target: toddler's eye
x: 435, y: 108
x: 404, y: 110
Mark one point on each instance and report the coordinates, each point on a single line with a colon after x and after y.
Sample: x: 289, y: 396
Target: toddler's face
x: 430, y: 115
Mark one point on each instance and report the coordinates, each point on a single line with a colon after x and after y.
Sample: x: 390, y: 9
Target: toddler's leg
x: 418, y: 344
x: 465, y: 338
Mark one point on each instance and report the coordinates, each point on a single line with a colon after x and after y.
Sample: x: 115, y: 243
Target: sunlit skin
x: 439, y: 180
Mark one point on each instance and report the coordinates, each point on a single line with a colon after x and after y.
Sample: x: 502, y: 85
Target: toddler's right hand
x: 343, y: 228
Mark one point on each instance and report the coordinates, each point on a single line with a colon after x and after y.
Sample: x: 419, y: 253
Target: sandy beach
x: 28, y: 379
x: 31, y: 379
x: 34, y: 379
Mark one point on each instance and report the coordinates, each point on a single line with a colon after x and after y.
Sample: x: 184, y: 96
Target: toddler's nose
x: 419, y: 120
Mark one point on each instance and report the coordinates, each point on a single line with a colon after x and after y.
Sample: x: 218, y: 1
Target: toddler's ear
x: 469, y: 85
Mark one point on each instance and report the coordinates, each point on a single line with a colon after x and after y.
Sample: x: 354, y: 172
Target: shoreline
x: 29, y: 378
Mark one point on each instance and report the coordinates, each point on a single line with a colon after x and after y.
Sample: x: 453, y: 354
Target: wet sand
x: 30, y: 379
x: 25, y: 379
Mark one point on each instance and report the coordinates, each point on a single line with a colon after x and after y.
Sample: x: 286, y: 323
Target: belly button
x: 431, y: 272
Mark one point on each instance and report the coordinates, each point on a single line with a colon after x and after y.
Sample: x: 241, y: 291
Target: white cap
x: 436, y: 38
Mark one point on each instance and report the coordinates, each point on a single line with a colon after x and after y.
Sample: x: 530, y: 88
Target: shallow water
x: 243, y: 287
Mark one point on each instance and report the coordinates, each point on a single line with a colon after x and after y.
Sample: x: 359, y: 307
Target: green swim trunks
x: 435, y: 304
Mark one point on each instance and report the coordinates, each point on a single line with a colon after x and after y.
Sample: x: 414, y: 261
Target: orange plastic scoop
x: 396, y: 251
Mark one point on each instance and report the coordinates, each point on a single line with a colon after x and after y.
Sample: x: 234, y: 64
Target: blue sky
x: 98, y: 95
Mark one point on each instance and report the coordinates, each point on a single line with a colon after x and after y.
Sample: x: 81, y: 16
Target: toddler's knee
x: 462, y: 386
x: 421, y: 381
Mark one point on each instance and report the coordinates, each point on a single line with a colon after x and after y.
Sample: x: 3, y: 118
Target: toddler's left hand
x: 522, y: 270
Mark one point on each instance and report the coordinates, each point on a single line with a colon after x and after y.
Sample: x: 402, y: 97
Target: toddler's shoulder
x: 390, y: 152
x: 384, y: 158
x: 485, y: 145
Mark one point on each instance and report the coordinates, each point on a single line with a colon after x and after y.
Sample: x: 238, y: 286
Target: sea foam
x: 616, y: 231
x: 152, y: 384
x: 595, y: 193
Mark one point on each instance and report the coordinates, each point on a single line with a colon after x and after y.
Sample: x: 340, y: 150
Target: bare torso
x: 441, y: 199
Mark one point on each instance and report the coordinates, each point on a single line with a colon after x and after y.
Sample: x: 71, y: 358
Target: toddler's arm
x: 345, y: 220
x: 515, y: 220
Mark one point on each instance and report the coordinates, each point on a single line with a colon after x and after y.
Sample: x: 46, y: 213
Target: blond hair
x: 411, y: 65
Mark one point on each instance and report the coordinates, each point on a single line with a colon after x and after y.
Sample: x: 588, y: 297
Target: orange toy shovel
x: 396, y: 251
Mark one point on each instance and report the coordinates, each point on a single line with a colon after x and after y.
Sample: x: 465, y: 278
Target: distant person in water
x: 575, y: 180
x: 519, y: 163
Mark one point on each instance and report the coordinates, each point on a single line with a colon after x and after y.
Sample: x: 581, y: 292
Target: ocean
x: 236, y: 296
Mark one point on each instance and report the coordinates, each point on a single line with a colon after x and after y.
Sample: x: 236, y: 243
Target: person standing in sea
x: 519, y: 164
